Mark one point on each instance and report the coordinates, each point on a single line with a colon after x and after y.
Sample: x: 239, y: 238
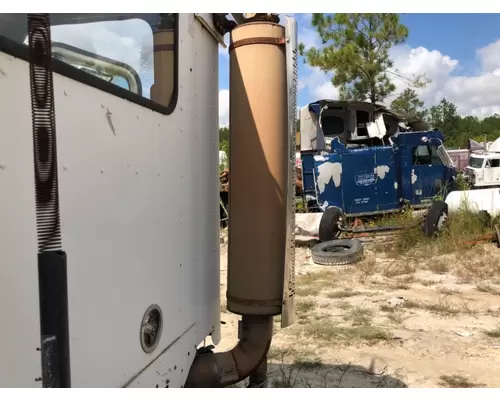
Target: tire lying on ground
x: 337, y: 252
x: 328, y: 226
x: 436, y: 215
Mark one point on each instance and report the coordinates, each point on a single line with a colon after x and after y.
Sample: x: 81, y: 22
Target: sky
x: 459, y: 53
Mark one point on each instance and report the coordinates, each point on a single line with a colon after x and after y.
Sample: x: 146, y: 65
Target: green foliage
x: 457, y: 129
x: 409, y: 105
x: 224, y: 139
x: 224, y: 144
x: 444, y: 117
x: 356, y: 48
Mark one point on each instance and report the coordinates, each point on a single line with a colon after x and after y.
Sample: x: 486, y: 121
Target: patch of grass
x: 359, y: 316
x: 313, y: 277
x: 302, y: 291
x: 457, y: 381
x: 477, y: 268
x: 327, y: 331
x: 399, y: 268
x: 470, y: 308
x: 387, y: 308
x: 343, y: 293
x: 448, y: 291
x: 427, y: 282
x: 367, y: 267
x: 443, y: 307
x: 403, y: 283
x: 494, y: 333
x: 412, y: 304
x: 409, y: 239
x: 461, y: 229
x: 488, y: 288
x: 397, y: 317
x: 312, y: 284
x: 344, y: 305
x: 304, y: 306
x: 289, y: 378
x: 439, y: 266
x: 307, y: 363
x: 394, y: 314
x: 278, y: 353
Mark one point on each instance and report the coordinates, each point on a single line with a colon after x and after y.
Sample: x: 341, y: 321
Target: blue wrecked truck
x: 359, y: 159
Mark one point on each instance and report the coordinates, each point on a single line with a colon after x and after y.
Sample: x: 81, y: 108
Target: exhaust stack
x: 258, y: 166
x: 260, y: 207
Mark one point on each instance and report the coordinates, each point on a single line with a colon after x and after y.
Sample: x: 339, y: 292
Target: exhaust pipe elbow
x: 216, y: 370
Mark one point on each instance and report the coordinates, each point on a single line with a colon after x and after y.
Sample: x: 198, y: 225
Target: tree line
x: 443, y: 116
x: 355, y: 48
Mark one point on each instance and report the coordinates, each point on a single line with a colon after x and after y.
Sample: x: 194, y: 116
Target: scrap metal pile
x: 224, y: 180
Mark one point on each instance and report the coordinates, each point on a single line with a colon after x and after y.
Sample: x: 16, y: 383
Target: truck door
x: 386, y: 187
x: 492, y: 172
x: 132, y: 101
x: 427, y: 173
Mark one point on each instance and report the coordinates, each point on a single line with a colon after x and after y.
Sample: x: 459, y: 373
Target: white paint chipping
x: 324, y: 206
x: 327, y: 172
x: 381, y: 170
x: 396, y: 185
x: 318, y: 157
x: 413, y: 177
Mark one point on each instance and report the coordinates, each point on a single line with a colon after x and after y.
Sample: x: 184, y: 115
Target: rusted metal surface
x: 224, y: 180
x: 257, y: 40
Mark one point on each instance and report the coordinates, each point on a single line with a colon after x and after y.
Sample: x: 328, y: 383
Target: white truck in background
x: 483, y: 169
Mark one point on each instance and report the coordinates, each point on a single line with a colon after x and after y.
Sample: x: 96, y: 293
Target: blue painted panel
x: 308, y: 181
x: 373, y: 179
x: 367, y: 181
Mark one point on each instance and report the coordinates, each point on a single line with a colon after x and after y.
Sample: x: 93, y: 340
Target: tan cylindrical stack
x: 258, y: 167
x: 164, y: 66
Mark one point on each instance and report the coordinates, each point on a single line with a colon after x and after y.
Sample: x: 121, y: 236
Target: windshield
x: 476, y: 162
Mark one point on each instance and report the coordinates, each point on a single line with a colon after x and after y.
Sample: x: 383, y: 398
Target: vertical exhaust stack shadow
x: 258, y: 164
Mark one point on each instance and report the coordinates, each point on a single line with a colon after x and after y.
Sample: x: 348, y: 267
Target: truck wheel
x: 329, y: 224
x: 337, y: 252
x: 436, y: 215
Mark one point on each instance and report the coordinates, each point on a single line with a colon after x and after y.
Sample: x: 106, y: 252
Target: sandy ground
x: 414, y: 321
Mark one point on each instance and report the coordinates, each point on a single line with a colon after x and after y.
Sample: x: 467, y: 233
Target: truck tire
x: 436, y: 215
x: 328, y: 226
x: 337, y: 252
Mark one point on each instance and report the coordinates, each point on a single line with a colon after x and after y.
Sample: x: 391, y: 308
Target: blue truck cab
x: 365, y: 160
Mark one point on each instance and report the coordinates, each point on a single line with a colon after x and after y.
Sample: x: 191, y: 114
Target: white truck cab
x: 483, y: 169
x: 109, y: 174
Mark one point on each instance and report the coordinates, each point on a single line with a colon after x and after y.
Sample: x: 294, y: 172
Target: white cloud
x: 473, y: 95
x: 317, y: 84
x: 223, y: 107
x: 411, y: 62
x: 490, y: 56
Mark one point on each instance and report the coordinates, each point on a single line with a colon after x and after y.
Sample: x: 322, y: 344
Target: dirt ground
x: 419, y: 320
